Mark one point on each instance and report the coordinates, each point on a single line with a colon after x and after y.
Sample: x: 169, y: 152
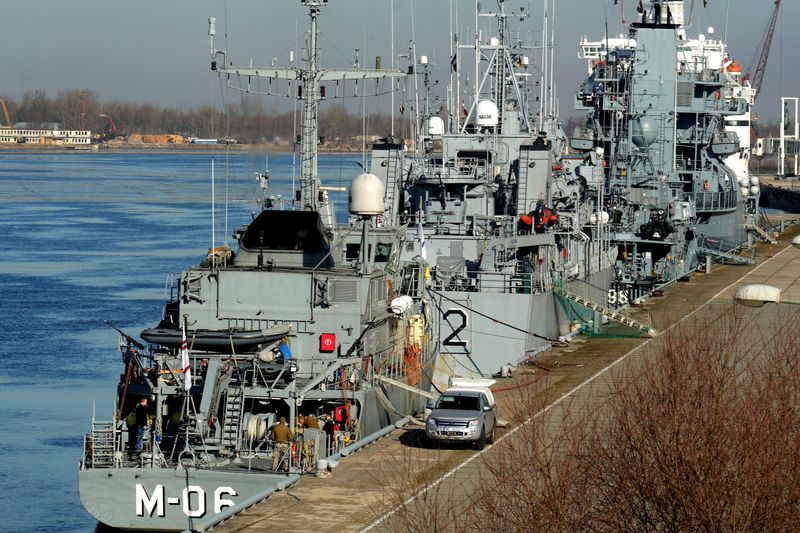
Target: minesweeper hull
x: 163, y: 499
x: 177, y: 499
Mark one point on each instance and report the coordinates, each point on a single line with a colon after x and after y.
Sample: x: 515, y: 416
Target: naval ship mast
x: 312, y: 195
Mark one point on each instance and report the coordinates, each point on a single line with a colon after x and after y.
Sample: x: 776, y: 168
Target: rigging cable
x: 484, y: 315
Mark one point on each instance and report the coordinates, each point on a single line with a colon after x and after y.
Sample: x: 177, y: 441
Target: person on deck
x: 281, y: 436
x: 312, y: 422
x: 142, y: 415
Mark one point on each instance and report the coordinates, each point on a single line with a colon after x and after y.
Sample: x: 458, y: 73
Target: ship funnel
x: 366, y: 195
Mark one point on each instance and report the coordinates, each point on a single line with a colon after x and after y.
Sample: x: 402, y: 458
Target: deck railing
x: 495, y: 282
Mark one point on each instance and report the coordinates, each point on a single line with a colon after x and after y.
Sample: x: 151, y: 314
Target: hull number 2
x: 460, y: 319
x: 192, y: 501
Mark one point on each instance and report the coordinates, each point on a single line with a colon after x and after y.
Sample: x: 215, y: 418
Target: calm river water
x: 91, y: 237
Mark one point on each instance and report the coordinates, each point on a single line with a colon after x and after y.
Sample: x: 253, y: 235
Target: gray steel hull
x: 161, y: 499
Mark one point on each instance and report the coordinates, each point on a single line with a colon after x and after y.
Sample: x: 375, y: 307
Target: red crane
x: 110, y: 126
x: 756, y: 71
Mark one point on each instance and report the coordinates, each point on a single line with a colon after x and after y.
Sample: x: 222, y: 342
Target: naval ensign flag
x: 187, y: 369
x: 423, y: 250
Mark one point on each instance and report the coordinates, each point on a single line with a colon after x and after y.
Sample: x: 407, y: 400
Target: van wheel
x: 481, y: 442
x: 490, y: 440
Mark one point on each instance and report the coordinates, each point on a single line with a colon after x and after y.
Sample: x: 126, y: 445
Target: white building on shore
x: 48, y: 134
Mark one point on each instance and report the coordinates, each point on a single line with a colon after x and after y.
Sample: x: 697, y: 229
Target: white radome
x: 487, y: 114
x: 366, y: 195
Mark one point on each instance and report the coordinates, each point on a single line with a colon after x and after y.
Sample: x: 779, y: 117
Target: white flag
x: 423, y: 251
x: 187, y: 369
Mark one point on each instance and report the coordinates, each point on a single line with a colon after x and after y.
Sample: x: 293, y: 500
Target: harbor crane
x: 111, y: 128
x: 757, y: 68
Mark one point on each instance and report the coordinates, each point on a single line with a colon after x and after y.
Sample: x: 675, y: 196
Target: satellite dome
x: 435, y: 126
x: 644, y: 131
x: 487, y: 114
x: 366, y: 195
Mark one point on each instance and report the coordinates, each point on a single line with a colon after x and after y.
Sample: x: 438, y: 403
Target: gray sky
x: 156, y: 51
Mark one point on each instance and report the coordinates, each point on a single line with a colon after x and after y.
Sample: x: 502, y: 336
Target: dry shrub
x: 699, y: 432
x: 702, y: 435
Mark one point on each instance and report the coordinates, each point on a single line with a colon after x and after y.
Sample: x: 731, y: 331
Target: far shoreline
x: 186, y: 148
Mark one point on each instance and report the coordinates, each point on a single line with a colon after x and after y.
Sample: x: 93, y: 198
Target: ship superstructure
x: 483, y: 188
x: 662, y: 117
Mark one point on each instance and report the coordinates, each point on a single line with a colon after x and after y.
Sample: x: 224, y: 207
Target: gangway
x: 718, y: 251
x: 409, y: 388
x: 611, y: 314
x: 760, y: 232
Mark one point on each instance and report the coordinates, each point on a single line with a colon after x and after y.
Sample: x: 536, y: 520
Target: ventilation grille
x: 343, y: 290
x: 685, y: 93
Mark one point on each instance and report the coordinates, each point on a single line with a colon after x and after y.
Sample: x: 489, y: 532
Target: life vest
x: 546, y: 219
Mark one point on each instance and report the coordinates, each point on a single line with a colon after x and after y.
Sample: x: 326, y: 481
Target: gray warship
x: 470, y: 249
x: 300, y: 319
x: 507, y: 236
x: 664, y: 119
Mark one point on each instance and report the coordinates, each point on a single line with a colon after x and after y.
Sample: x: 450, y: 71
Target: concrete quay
x: 363, y: 491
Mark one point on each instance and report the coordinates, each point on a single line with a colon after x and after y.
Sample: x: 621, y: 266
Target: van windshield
x: 462, y: 403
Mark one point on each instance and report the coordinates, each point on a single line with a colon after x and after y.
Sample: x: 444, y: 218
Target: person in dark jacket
x: 141, y: 421
x: 329, y: 428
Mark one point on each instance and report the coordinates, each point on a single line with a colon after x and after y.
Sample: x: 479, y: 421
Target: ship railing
x: 101, y: 444
x: 499, y: 226
x: 709, y: 202
x: 587, y: 291
x: 306, y: 449
x: 171, y: 288
x: 495, y: 282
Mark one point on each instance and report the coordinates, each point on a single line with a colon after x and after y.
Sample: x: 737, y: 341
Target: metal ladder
x: 391, y: 183
x: 606, y: 312
x: 103, y: 440
x: 234, y: 404
x: 522, y: 182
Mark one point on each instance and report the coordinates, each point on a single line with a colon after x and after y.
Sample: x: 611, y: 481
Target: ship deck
x: 363, y: 490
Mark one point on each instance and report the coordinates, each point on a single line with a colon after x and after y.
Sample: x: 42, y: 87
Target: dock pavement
x: 361, y: 492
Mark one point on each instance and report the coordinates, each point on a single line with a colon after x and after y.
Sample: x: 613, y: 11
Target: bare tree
x: 699, y: 433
